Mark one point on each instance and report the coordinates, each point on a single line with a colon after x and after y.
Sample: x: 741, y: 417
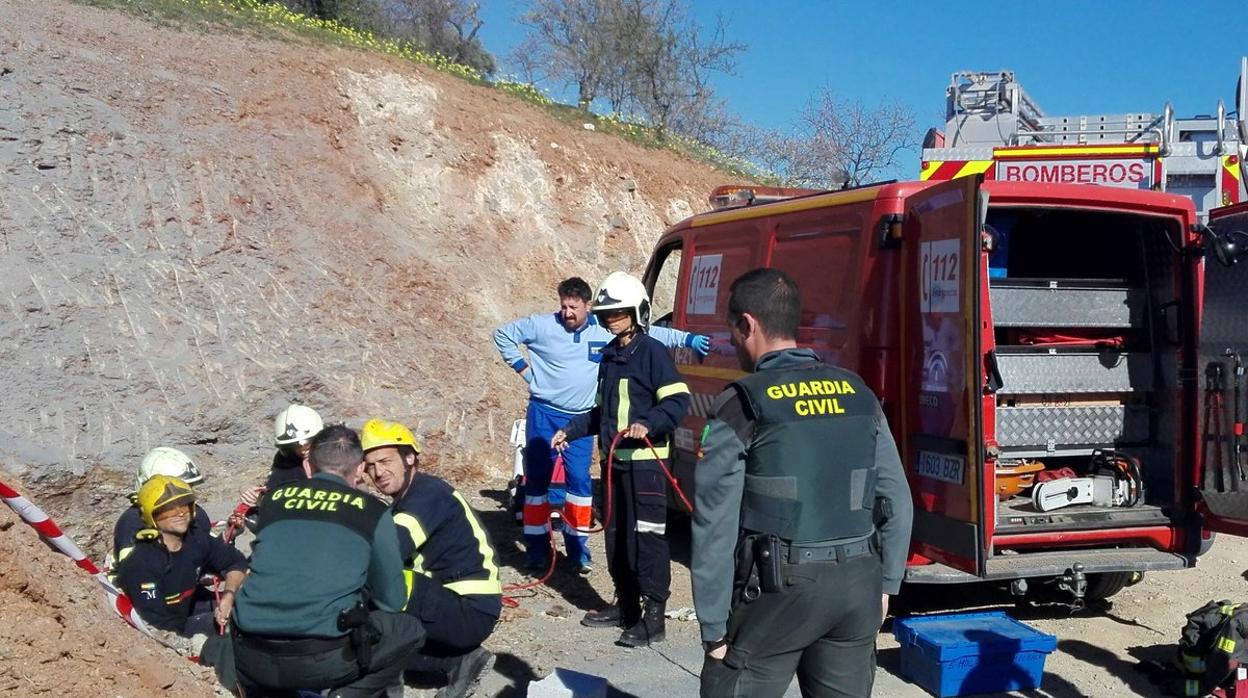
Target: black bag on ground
x: 1212, y: 646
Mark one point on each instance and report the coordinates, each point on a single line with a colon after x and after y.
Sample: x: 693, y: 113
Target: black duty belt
x: 803, y: 553
x: 293, y: 647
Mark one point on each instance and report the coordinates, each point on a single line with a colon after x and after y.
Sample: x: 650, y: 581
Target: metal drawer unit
x: 1065, y: 303
x: 1073, y: 372
x: 1040, y: 430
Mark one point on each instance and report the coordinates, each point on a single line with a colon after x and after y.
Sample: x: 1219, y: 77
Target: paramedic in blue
x: 564, y: 349
x: 641, y: 398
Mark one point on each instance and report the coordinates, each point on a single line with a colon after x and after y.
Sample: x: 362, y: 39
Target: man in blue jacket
x: 564, y: 350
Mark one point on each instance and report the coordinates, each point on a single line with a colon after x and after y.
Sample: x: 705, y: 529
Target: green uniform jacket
x: 719, y: 484
x: 320, y: 548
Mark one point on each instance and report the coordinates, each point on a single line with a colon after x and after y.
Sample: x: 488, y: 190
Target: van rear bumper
x: 1054, y: 563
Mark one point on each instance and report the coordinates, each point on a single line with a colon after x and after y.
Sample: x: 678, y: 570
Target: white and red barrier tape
x: 52, y: 533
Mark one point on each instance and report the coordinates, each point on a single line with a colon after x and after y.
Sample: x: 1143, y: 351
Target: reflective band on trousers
x: 651, y: 527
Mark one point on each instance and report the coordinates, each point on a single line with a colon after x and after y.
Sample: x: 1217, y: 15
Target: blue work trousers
x: 575, y: 502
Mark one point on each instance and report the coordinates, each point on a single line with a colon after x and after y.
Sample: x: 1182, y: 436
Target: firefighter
x: 162, y: 460
x: 293, y: 430
x: 640, y: 396
x: 321, y: 608
x: 161, y: 575
x: 801, y: 521
x: 449, y: 563
x: 564, y: 351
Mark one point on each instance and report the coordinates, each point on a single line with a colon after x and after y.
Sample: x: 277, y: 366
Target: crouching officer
x: 452, y: 577
x: 320, y: 609
x: 798, y: 468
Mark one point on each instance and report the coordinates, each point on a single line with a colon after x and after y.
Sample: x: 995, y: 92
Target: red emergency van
x: 1044, y: 353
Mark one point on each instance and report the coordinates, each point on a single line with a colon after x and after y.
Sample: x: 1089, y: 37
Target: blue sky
x: 1073, y: 58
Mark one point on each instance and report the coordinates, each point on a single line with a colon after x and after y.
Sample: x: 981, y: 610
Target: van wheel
x: 1103, y: 585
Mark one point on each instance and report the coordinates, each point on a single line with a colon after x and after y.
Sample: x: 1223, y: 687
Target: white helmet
x: 164, y: 460
x: 296, y: 423
x: 623, y: 291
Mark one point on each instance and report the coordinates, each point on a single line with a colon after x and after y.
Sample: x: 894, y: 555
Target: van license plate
x: 942, y: 466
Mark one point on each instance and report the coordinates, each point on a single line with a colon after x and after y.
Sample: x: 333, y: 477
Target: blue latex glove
x: 699, y: 343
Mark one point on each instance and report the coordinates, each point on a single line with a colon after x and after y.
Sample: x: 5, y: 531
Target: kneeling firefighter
x: 321, y: 608
x: 452, y: 577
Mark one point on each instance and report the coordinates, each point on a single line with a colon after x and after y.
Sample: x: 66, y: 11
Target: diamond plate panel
x: 1032, y: 305
x: 1070, y: 428
x: 1035, y: 373
x: 1224, y: 325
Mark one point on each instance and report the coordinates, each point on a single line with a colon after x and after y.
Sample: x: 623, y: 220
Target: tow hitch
x: 1075, y: 583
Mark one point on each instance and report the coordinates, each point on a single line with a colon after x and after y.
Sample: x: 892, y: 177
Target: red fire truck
x: 994, y: 128
x: 1019, y: 335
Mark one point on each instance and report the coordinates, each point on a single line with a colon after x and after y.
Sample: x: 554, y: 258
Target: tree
x: 446, y: 27
x: 672, y: 68
x: 648, y: 57
x: 568, y: 42
x: 838, y: 143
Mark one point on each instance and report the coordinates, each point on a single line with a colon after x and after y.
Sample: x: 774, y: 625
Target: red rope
x: 510, y: 601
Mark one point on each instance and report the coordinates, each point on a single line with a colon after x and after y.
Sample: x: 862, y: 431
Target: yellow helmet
x: 161, y: 493
x: 378, y: 432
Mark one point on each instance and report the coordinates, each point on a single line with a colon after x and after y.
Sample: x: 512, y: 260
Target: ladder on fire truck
x: 994, y: 127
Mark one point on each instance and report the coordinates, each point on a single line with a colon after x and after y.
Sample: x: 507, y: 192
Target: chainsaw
x: 1115, y: 482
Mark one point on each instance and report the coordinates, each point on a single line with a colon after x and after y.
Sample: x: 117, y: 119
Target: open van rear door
x: 941, y: 390
x: 1223, y: 478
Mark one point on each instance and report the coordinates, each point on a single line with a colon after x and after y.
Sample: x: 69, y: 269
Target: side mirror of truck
x: 1225, y: 247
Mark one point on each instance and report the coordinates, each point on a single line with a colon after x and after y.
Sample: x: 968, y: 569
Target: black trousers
x: 821, y: 626
x: 638, y: 556
x: 267, y: 673
x: 454, y: 625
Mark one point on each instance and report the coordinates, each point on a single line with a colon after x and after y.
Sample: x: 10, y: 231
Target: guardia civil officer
x: 321, y: 607
x: 790, y: 570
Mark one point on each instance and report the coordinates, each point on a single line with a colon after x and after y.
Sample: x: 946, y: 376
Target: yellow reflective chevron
x: 973, y: 167
x: 1229, y: 164
x: 671, y: 389
x: 930, y: 169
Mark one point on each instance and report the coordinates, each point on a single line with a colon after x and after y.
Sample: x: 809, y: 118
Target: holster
x: 767, y: 560
x: 745, y: 577
x: 759, y: 557
x: 354, y: 621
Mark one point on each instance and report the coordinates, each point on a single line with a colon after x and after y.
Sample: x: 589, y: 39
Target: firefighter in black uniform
x: 161, y: 575
x: 640, y: 396
x: 321, y: 608
x: 453, y: 585
x: 802, y: 516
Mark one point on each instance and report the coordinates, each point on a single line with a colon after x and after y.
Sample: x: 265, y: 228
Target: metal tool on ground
x: 1115, y: 481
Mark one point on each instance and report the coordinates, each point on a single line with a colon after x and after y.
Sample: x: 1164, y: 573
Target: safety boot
x: 622, y: 614
x: 463, y: 679
x: 649, y: 629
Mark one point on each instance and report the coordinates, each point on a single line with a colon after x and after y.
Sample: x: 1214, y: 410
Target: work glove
x: 699, y: 343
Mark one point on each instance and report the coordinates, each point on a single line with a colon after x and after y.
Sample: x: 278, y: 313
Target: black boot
x: 621, y: 614
x: 649, y: 629
x: 463, y: 679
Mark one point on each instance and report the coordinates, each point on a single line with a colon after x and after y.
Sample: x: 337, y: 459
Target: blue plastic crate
x: 961, y: 654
